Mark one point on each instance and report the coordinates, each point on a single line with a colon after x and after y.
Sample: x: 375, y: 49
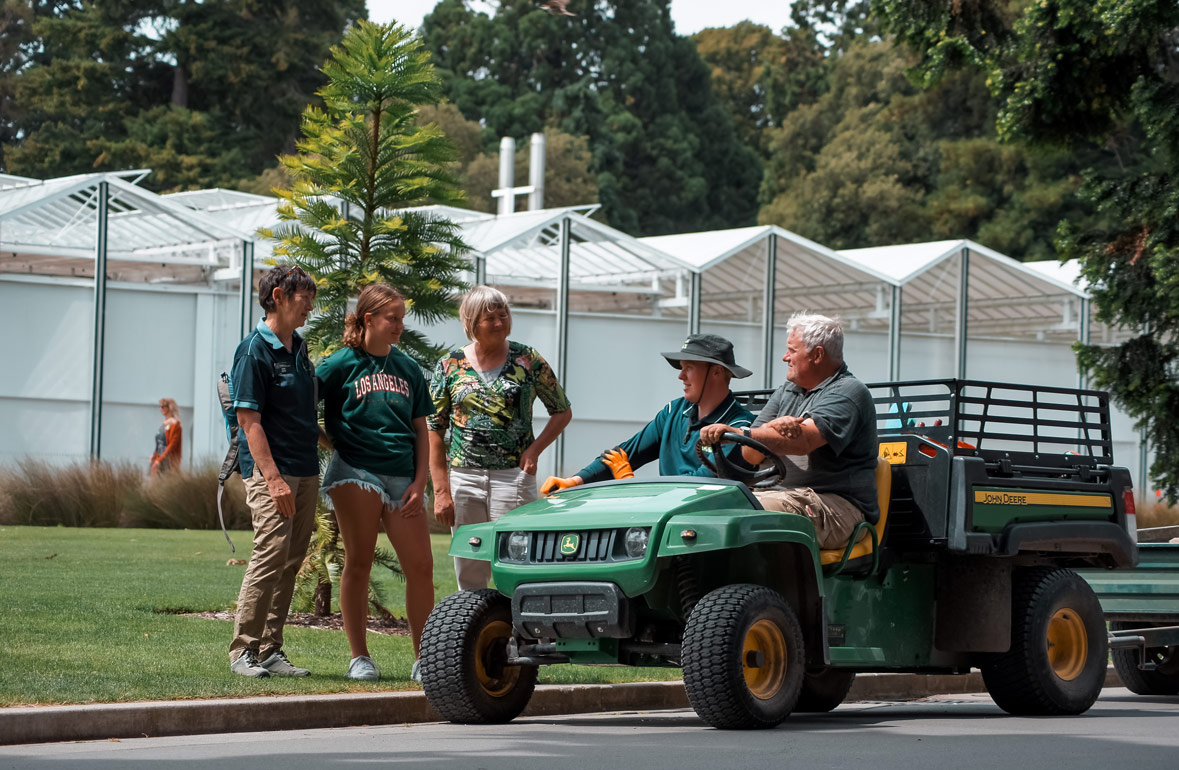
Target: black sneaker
x: 280, y: 665
x: 247, y: 665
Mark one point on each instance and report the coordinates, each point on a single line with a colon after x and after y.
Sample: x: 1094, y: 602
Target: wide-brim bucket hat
x: 709, y: 348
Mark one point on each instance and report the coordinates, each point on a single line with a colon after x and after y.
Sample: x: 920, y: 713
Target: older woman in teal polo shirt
x: 274, y: 397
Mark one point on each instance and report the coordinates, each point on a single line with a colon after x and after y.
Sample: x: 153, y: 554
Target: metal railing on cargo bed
x: 1032, y: 429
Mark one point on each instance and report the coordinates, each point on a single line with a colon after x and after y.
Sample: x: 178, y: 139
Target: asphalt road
x: 948, y: 732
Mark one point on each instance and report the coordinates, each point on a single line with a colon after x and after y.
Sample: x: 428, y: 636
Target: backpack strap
x: 229, y: 465
x: 221, y: 516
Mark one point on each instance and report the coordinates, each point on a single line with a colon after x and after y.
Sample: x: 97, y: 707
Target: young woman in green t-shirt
x: 375, y: 408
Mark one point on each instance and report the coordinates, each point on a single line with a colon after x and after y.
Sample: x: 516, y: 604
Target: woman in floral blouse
x: 483, y: 394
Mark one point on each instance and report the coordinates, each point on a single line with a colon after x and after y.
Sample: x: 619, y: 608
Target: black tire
x: 823, y: 689
x: 1163, y: 680
x: 1059, y: 647
x: 464, y: 644
x: 743, y: 658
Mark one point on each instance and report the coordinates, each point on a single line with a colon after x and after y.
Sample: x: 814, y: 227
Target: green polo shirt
x: 843, y: 411
x: 279, y: 384
x: 370, y: 403
x: 671, y: 439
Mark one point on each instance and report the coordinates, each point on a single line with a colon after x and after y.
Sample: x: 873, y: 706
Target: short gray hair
x: 478, y: 301
x: 814, y: 329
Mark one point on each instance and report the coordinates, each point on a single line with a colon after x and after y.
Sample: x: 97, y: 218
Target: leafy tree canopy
x: 876, y: 160
x: 1076, y: 74
x: 664, y: 150
x: 18, y: 47
x: 205, y: 92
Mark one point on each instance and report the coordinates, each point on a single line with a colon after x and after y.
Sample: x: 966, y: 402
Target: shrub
x: 88, y: 494
x: 320, y: 572
x: 1157, y: 515
x: 103, y: 494
x: 183, y: 500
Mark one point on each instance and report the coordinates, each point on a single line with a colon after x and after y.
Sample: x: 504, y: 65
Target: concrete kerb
x: 45, y: 724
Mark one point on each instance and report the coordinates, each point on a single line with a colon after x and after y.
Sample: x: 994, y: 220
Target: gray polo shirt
x: 842, y: 409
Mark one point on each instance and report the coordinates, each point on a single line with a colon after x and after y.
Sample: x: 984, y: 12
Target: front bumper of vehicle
x: 571, y: 610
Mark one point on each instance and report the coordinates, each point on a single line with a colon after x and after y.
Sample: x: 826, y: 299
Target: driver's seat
x: 857, y: 551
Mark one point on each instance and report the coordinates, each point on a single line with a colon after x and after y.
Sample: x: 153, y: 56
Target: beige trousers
x: 834, y: 516
x: 480, y: 496
x: 280, y: 546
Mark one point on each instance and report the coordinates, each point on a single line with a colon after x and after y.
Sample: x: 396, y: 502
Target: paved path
x: 43, y: 724
x: 945, y: 732
x: 194, y: 717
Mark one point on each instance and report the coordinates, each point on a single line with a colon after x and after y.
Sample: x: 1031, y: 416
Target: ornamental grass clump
x: 1157, y: 514
x: 104, y: 494
x: 188, y: 500
x: 87, y: 494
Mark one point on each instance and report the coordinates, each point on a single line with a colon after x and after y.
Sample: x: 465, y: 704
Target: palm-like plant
x: 363, y: 163
x: 325, y: 555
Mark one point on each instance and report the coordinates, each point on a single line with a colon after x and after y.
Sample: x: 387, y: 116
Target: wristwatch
x: 747, y: 433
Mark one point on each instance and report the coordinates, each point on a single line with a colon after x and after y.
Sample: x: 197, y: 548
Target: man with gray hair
x: 823, y: 420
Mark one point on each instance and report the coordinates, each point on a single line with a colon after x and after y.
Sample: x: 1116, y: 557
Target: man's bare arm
x: 788, y: 437
x: 784, y: 435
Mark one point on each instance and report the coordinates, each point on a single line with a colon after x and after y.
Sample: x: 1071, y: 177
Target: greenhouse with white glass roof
x: 93, y: 357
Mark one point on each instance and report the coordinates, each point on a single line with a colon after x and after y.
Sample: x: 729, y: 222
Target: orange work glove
x: 618, y: 463
x: 555, y: 483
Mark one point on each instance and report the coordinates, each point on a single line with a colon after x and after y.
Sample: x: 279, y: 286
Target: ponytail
x: 353, y: 331
x: 372, y: 298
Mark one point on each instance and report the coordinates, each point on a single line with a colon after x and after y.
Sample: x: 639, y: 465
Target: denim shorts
x: 338, y: 472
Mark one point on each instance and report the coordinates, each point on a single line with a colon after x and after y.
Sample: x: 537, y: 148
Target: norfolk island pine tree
x: 362, y: 164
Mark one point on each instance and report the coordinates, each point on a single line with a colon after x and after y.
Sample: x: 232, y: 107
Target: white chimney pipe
x: 536, y: 173
x: 507, y: 175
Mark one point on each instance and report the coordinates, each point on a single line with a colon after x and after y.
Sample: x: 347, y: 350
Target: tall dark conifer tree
x: 665, y: 152
x: 205, y: 93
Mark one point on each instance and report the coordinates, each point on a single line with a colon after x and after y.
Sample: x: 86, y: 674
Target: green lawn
x: 89, y: 616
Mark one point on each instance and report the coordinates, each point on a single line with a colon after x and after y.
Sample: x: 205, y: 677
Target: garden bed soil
x: 335, y: 622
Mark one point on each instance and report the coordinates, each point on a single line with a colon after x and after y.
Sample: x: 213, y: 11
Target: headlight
x: 636, y: 541
x: 518, y: 546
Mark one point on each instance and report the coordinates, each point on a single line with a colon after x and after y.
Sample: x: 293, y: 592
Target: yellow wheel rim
x: 490, y: 643
x: 763, y: 659
x: 1068, y: 645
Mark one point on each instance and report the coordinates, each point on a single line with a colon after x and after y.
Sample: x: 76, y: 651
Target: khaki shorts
x: 834, y: 516
x: 483, y: 495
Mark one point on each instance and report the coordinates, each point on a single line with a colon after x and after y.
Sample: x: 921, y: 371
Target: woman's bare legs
x: 358, y: 512
x: 411, y: 540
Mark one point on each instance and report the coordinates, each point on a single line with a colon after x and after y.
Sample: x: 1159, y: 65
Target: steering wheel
x: 723, y: 468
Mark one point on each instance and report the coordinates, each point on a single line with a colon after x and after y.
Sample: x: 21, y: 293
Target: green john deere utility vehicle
x: 991, y: 495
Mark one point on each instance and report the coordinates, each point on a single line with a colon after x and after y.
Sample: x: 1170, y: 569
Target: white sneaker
x: 362, y: 667
x: 416, y: 673
x: 280, y: 665
x: 247, y: 664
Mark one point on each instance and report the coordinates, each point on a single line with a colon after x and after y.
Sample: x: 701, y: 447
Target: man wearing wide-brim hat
x: 706, y: 365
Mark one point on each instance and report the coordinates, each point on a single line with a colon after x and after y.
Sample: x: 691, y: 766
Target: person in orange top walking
x: 167, y: 454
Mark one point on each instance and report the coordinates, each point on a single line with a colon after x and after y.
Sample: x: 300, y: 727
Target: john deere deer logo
x: 570, y: 544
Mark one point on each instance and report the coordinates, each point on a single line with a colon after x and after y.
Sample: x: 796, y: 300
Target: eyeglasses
x: 293, y: 269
